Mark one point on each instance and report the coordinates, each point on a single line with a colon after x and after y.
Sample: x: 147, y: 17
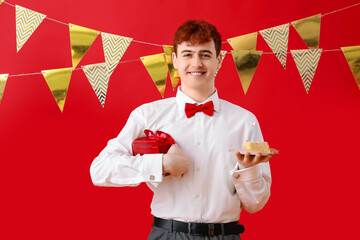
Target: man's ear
x: 174, y: 59
x: 219, y: 59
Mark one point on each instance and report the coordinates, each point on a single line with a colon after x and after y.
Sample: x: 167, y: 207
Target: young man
x: 208, y: 186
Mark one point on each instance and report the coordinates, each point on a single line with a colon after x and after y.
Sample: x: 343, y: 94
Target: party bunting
x: 58, y: 81
x: 352, y: 55
x: 244, y: 42
x: 26, y: 23
x: 81, y: 39
x: 3, y: 79
x: 98, y: 76
x: 309, y: 30
x: 157, y: 69
x: 246, y: 63
x: 277, y: 39
x: 114, y: 48
x: 306, y: 62
x: 174, y: 74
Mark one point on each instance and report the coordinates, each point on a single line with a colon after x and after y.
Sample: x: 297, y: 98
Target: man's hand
x: 175, y: 161
x: 246, y: 160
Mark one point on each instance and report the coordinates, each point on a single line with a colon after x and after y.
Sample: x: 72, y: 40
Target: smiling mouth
x: 196, y: 73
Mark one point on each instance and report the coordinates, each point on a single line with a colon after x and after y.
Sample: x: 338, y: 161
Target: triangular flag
x: 26, y: 23
x: 246, y: 63
x: 114, y: 48
x: 244, y: 42
x: 277, y: 39
x: 174, y: 74
x: 98, y: 76
x: 352, y: 55
x: 306, y: 61
x: 81, y: 40
x: 3, y: 79
x: 157, y: 69
x: 1, y: 1
x: 58, y: 81
x: 309, y: 30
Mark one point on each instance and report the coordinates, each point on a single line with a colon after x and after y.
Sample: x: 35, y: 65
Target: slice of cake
x: 257, y: 146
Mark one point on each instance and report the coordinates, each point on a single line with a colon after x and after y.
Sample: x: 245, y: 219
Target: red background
x: 46, y: 190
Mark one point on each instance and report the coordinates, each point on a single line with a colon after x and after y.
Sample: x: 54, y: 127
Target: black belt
x: 210, y: 229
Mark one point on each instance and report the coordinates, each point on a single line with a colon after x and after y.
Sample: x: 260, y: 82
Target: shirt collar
x: 182, y: 98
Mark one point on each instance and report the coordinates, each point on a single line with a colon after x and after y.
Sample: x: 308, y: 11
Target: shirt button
x: 197, y: 195
x: 152, y: 177
x: 197, y: 169
x: 198, y: 143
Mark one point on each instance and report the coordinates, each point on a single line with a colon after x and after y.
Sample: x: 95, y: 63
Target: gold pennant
x: 81, y: 40
x: 157, y: 69
x: 27, y: 21
x: 58, y: 81
x: 246, y: 63
x: 174, y: 74
x: 306, y: 61
x: 244, y: 42
x: 277, y: 38
x: 309, y: 30
x: 1, y: 1
x: 3, y: 79
x: 352, y: 55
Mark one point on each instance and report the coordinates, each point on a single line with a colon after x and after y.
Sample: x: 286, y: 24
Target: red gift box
x: 158, y: 142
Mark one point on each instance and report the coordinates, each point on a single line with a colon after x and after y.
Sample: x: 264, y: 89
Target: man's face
x: 196, y: 64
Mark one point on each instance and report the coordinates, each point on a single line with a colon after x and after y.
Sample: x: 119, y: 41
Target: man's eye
x: 187, y: 55
x: 206, y: 56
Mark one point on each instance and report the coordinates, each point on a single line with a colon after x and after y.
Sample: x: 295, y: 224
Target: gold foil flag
x: 244, y: 42
x: 3, y: 79
x: 58, y: 81
x: 98, y: 76
x: 174, y: 74
x: 306, y: 61
x: 309, y: 30
x: 26, y: 23
x: 352, y: 55
x: 81, y: 40
x: 157, y: 69
x: 1, y: 1
x: 114, y: 48
x: 277, y: 39
x: 246, y: 63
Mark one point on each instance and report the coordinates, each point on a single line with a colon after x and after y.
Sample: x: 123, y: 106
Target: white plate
x: 242, y: 151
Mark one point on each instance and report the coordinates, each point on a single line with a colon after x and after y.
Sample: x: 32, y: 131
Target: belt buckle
x: 189, y: 228
x: 211, y: 229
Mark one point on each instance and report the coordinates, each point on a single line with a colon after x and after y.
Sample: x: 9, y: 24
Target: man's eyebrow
x: 207, y: 51
x: 186, y: 51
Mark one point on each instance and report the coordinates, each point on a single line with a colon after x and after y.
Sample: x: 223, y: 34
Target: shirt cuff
x: 246, y: 174
x: 152, y: 170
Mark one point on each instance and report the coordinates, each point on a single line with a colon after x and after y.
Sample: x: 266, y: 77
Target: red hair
x: 195, y: 32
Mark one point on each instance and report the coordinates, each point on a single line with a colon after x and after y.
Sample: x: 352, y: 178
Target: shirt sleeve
x: 253, y: 184
x: 117, y: 167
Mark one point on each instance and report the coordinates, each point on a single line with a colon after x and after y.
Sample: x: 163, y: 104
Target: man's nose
x: 196, y: 61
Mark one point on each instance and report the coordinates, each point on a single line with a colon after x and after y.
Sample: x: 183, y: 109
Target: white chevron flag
x: 26, y: 23
x: 277, y: 38
x: 307, y: 62
x: 114, y: 48
x: 98, y: 77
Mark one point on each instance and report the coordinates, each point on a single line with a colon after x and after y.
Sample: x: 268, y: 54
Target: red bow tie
x: 191, y: 109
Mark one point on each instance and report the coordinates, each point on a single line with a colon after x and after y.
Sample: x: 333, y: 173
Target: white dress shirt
x: 213, y: 189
